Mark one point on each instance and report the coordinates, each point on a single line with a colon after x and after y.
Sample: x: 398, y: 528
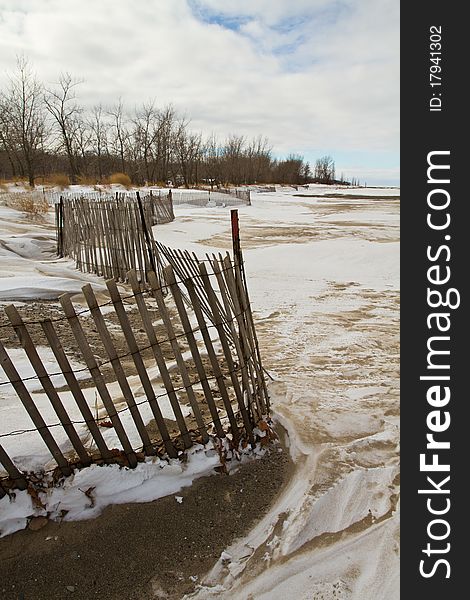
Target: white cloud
x: 306, y: 73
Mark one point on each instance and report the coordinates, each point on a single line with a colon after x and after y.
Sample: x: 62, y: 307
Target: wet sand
x: 155, y: 550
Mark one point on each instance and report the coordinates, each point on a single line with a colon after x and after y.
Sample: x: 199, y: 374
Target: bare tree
x: 66, y: 113
x: 120, y: 135
x: 325, y: 169
x: 99, y: 138
x: 7, y: 139
x: 233, y: 154
x: 212, y: 155
x: 259, y: 160
x: 163, y: 142
x: 144, y: 136
x: 154, y: 145
x: 23, y: 120
x: 187, y: 154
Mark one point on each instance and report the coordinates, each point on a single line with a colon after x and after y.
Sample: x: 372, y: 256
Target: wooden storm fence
x: 110, y: 235
x: 166, y: 371
x: 232, y: 300
x: 222, y: 197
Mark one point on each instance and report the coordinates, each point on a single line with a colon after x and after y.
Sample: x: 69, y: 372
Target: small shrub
x: 121, y: 178
x: 61, y: 180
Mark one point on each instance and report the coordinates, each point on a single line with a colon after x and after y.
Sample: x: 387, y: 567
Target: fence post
x: 236, y: 235
x: 60, y: 228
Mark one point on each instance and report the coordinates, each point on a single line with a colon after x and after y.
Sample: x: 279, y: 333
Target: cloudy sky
x: 314, y: 76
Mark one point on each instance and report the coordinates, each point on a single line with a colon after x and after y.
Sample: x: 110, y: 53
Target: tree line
x: 45, y: 130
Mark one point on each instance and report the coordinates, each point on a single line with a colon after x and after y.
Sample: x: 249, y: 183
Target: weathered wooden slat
x: 178, y: 298
x: 227, y: 353
x: 137, y: 229
x: 117, y: 367
x: 189, y: 271
x: 225, y: 271
x: 36, y: 362
x: 98, y: 379
x: 33, y: 412
x: 248, y: 344
x: 239, y: 341
x: 157, y: 294
x: 75, y: 389
x: 160, y: 360
x: 107, y: 242
x: 12, y: 471
x: 219, y: 304
x: 212, y: 356
x: 140, y: 366
x: 246, y: 305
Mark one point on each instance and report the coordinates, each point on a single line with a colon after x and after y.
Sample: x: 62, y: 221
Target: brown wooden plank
x: 219, y: 303
x: 212, y: 356
x: 164, y: 314
x: 189, y: 271
x: 227, y: 352
x: 74, y: 386
x: 94, y: 260
x: 122, y: 243
x: 159, y: 359
x: 178, y: 298
x: 140, y: 250
x: 102, y: 232
x: 98, y: 379
x: 54, y: 398
x: 140, y: 366
x: 239, y: 340
x: 246, y: 306
x: 117, y: 367
x: 11, y: 469
x: 32, y: 411
x: 247, y: 342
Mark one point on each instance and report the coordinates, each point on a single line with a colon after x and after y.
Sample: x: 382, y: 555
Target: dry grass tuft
x: 61, y: 180
x: 121, y: 178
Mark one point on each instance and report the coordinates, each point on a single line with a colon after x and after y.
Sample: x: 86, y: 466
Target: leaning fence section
x: 158, y: 372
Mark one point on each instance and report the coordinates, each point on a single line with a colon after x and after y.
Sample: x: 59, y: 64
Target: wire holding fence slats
x: 204, y: 364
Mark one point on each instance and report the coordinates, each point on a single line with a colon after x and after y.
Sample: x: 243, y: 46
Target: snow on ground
x: 324, y: 284
x: 324, y: 280
x: 87, y: 492
x: 30, y: 269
